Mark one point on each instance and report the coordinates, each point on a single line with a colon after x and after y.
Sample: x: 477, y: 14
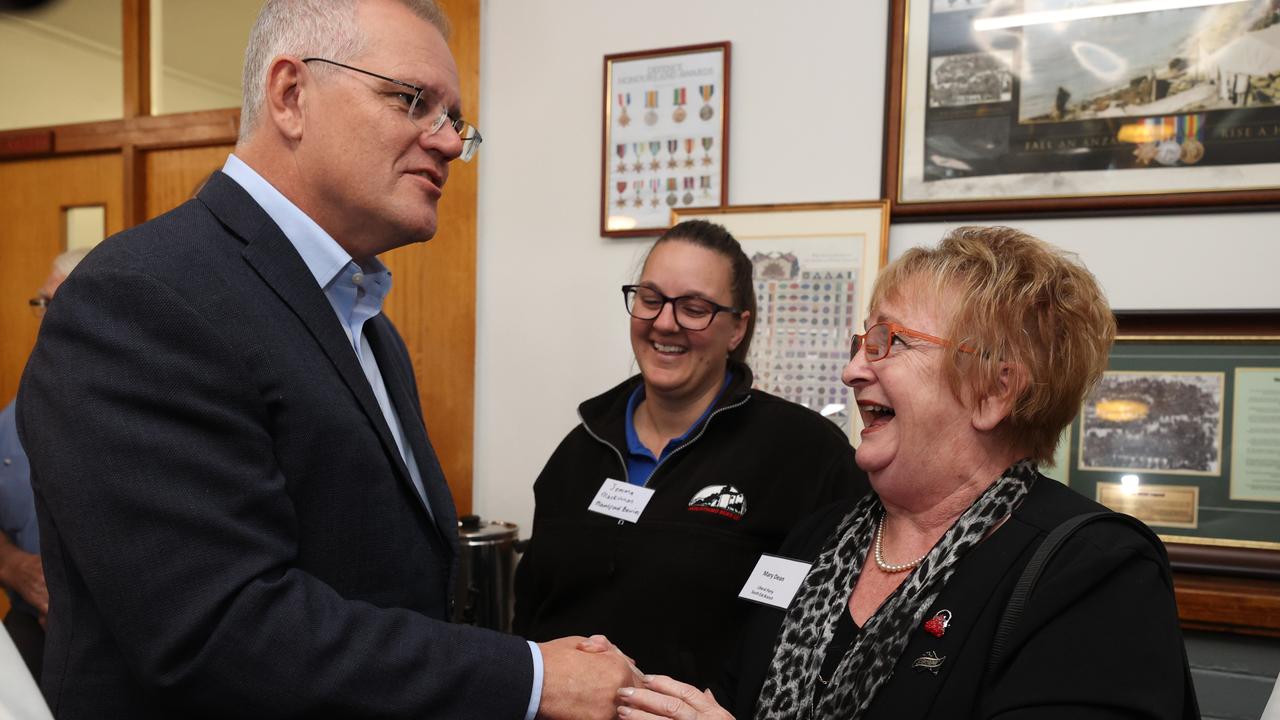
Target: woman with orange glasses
x: 977, y: 354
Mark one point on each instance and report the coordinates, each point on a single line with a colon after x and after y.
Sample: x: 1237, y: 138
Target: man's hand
x: 21, y: 572
x: 578, y: 684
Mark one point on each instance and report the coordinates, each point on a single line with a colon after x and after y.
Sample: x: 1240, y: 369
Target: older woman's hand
x: 662, y: 697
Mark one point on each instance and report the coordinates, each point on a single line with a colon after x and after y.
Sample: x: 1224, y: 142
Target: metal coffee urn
x: 484, y: 595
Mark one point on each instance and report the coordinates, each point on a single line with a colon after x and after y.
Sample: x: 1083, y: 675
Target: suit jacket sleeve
x: 168, y: 502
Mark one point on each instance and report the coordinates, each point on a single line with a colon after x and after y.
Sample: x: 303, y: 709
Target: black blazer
x: 1099, y: 638
x: 228, y: 527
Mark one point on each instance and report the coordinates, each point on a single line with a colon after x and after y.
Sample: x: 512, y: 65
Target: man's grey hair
x: 308, y: 28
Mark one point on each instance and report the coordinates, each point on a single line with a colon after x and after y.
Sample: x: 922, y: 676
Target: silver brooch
x: 928, y: 661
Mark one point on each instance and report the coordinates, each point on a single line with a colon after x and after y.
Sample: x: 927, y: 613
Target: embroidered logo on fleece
x: 724, y: 500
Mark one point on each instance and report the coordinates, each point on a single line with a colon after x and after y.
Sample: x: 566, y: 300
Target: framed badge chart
x: 1014, y: 106
x: 666, y: 136
x: 1183, y: 432
x: 814, y: 265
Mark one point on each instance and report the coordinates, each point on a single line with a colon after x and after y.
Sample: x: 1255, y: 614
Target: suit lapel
x: 387, y: 350
x: 276, y: 261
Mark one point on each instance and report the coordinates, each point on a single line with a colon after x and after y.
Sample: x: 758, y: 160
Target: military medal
x: 705, y: 183
x: 636, y: 149
x: 679, y: 97
x: 654, y: 185
x: 638, y: 186
x: 1145, y: 153
x: 622, y: 190
x: 1192, y: 151
x: 624, y: 99
x: 1168, y: 150
x: 1168, y: 153
x: 622, y: 153
x: 673, y: 146
x: 707, y: 111
x: 651, y: 103
x: 937, y: 625
x: 687, y: 198
x: 706, y: 147
x: 688, y: 152
x: 1192, y: 148
x: 672, y: 198
x: 655, y: 147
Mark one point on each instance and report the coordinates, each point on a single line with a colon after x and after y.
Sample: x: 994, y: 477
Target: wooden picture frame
x: 998, y: 117
x: 815, y: 265
x: 1207, y: 342
x: 665, y: 143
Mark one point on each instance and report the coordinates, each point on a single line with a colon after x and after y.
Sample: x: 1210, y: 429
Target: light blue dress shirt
x: 356, y: 294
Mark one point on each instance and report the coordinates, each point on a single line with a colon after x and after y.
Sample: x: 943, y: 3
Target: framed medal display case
x: 666, y: 136
x: 1016, y: 106
x: 814, y: 265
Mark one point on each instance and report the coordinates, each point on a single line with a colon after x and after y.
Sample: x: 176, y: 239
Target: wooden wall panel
x: 172, y: 176
x: 433, y: 299
x: 33, y: 194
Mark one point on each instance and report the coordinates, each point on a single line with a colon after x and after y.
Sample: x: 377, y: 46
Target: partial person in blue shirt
x: 21, y: 574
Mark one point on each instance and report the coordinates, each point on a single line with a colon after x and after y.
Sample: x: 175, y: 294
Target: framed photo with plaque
x: 1017, y: 106
x: 1183, y: 432
x: 814, y: 265
x: 666, y: 136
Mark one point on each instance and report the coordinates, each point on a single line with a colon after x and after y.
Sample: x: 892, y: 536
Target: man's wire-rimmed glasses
x: 38, y: 305
x: 879, y: 338
x: 426, y: 118
x: 691, y: 312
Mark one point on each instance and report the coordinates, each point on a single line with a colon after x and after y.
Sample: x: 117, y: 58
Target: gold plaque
x: 1174, y: 506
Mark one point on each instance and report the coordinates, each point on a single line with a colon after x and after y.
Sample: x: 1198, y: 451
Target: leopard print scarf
x: 810, y: 621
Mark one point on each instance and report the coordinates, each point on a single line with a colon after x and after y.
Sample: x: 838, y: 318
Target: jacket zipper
x: 623, y: 461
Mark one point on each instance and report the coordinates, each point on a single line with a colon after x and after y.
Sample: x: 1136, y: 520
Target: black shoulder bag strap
x: 1031, y: 574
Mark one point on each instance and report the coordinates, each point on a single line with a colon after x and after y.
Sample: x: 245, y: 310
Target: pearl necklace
x: 879, y: 554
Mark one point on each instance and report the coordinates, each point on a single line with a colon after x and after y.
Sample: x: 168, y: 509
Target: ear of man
x: 285, y: 96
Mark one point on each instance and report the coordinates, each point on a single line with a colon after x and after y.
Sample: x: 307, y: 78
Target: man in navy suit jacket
x: 243, y: 516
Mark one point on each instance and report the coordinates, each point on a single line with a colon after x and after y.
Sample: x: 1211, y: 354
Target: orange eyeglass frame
x: 859, y: 340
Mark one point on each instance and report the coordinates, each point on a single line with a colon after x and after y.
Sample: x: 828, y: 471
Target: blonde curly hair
x: 1018, y: 300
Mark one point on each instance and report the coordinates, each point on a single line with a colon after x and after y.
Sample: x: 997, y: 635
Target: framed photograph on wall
x: 666, y: 136
x: 814, y: 265
x: 1016, y: 106
x: 1183, y: 432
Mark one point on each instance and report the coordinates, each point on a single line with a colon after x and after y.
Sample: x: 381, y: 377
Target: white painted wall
x: 806, y: 105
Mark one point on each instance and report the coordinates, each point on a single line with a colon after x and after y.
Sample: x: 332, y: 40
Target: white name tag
x: 620, y: 500
x: 775, y: 581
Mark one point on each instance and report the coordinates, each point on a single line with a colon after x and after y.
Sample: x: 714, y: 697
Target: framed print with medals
x: 666, y: 136
x: 813, y: 266
x: 1032, y: 106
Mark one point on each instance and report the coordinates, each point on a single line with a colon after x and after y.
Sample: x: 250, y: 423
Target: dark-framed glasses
x: 427, y: 117
x: 691, y: 312
x: 878, y: 339
x: 38, y: 305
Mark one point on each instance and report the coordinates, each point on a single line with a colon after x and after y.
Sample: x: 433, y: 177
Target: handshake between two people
x: 590, y: 679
